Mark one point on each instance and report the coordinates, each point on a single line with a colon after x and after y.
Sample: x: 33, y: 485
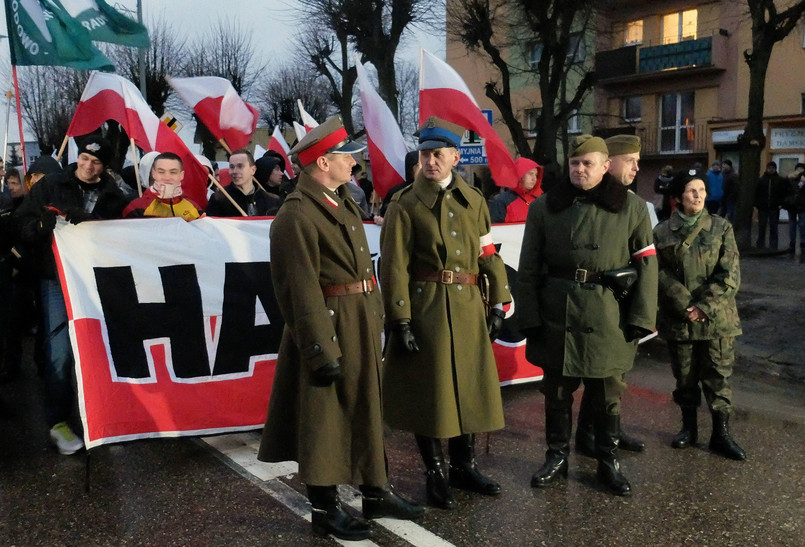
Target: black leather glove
x: 633, y: 332
x: 405, y: 336
x: 494, y: 322
x: 326, y: 374
x: 76, y: 215
x: 47, y: 221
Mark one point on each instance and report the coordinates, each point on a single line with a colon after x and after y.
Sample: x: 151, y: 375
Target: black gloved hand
x: 75, y: 215
x: 405, y: 336
x: 633, y: 333
x: 47, y: 221
x: 326, y: 374
x: 494, y: 322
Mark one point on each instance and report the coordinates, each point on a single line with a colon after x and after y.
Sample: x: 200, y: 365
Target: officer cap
x: 584, y: 144
x: 623, y: 144
x: 438, y: 133
x: 328, y: 138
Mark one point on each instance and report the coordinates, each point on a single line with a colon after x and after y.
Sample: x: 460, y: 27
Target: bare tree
x: 277, y: 97
x: 408, y: 98
x: 167, y: 56
x: 49, y: 96
x: 769, y: 26
x: 374, y: 28
x: 528, y: 41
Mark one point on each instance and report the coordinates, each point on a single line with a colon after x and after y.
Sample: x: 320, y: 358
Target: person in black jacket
x: 769, y: 194
x: 254, y: 201
x: 84, y: 191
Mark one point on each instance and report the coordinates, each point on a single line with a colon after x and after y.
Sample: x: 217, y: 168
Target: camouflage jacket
x: 706, y: 276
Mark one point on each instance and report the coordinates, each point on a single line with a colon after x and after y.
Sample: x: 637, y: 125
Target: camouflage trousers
x: 705, y: 362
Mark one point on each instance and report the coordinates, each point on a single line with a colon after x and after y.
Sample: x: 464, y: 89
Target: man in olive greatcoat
x: 577, y: 235
x: 440, y: 376
x: 624, y: 158
x: 325, y: 407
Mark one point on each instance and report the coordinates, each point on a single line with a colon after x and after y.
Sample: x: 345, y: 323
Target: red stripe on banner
x: 384, y: 175
x: 122, y: 410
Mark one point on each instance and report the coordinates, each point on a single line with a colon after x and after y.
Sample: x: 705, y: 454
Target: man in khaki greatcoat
x: 578, y: 235
x: 325, y: 407
x: 440, y: 378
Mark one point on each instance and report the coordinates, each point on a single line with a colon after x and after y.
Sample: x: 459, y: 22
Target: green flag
x: 41, y: 32
x: 105, y: 24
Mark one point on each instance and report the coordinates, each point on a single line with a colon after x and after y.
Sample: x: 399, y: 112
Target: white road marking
x: 239, y: 451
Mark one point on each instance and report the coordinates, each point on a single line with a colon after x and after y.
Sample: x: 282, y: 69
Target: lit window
x: 634, y: 33
x: 680, y: 26
x: 677, y: 128
x: 632, y: 109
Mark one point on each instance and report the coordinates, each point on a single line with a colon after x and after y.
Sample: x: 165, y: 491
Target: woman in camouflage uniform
x: 699, y: 276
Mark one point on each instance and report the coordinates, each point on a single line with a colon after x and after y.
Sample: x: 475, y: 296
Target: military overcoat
x: 451, y: 386
x: 334, y: 432
x: 582, y: 328
x: 707, y: 276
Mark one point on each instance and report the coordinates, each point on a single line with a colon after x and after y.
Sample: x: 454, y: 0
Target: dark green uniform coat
x: 334, y: 432
x: 582, y: 327
x: 706, y: 276
x: 451, y: 386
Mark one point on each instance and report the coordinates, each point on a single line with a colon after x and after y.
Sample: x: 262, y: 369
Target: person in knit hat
x: 511, y: 205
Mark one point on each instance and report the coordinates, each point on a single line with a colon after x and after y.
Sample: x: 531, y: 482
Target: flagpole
x: 136, y: 163
x: 61, y: 148
x: 226, y: 194
x: 5, y: 138
x: 19, y: 118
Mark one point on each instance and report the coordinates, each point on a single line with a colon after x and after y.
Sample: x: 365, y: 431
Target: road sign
x: 171, y: 121
x: 473, y: 151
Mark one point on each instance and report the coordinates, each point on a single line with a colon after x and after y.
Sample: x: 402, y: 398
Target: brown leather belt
x: 446, y: 277
x: 358, y: 287
x: 579, y: 275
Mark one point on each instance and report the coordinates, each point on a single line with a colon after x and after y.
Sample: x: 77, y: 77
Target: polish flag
x: 111, y: 97
x: 300, y: 131
x: 387, y: 147
x: 307, y: 119
x: 219, y: 107
x: 278, y: 144
x: 443, y: 93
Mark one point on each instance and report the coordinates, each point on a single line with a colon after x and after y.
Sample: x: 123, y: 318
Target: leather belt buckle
x: 447, y: 277
x: 366, y: 285
x: 580, y: 276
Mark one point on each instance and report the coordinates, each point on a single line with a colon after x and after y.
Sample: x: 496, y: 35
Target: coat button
x: 331, y: 312
x: 334, y: 338
x: 458, y: 251
x: 368, y: 270
x: 450, y: 214
x: 361, y: 248
x: 353, y: 228
x: 448, y: 196
x: 419, y: 290
x: 316, y: 347
x: 588, y: 330
x: 569, y: 329
x: 458, y: 287
x: 506, y: 287
x: 382, y: 316
x: 401, y: 302
x: 457, y: 269
x: 596, y: 246
x: 453, y: 233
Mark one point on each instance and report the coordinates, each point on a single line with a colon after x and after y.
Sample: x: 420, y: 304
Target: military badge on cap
x: 438, y: 133
x: 328, y: 138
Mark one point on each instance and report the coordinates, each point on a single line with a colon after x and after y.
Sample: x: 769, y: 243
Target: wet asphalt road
x: 185, y: 492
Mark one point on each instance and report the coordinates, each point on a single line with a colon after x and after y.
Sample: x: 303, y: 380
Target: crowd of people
x: 594, y: 278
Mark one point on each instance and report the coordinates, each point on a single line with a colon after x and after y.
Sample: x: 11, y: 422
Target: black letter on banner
x: 129, y: 322
x: 240, y: 338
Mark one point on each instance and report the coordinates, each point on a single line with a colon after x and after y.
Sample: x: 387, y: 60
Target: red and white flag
x: 307, y: 119
x: 278, y: 144
x: 111, y: 97
x: 299, y: 130
x: 219, y: 107
x: 387, y: 147
x: 443, y: 93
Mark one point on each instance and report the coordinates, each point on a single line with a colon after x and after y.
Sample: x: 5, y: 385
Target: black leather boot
x: 689, y: 434
x: 632, y: 444
x: 585, y: 429
x: 437, y: 487
x: 557, y: 436
x: 607, y: 429
x: 721, y: 442
x: 329, y: 517
x: 383, y: 501
x: 464, y: 473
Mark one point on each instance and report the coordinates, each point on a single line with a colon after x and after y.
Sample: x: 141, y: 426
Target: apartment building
x: 674, y: 73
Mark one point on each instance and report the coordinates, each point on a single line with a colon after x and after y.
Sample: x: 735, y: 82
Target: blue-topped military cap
x: 438, y: 133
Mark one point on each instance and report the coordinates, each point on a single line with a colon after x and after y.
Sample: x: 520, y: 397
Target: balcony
x: 644, y: 62
x: 689, y: 140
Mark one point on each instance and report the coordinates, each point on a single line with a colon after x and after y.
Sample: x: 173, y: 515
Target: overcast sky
x: 273, y: 24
